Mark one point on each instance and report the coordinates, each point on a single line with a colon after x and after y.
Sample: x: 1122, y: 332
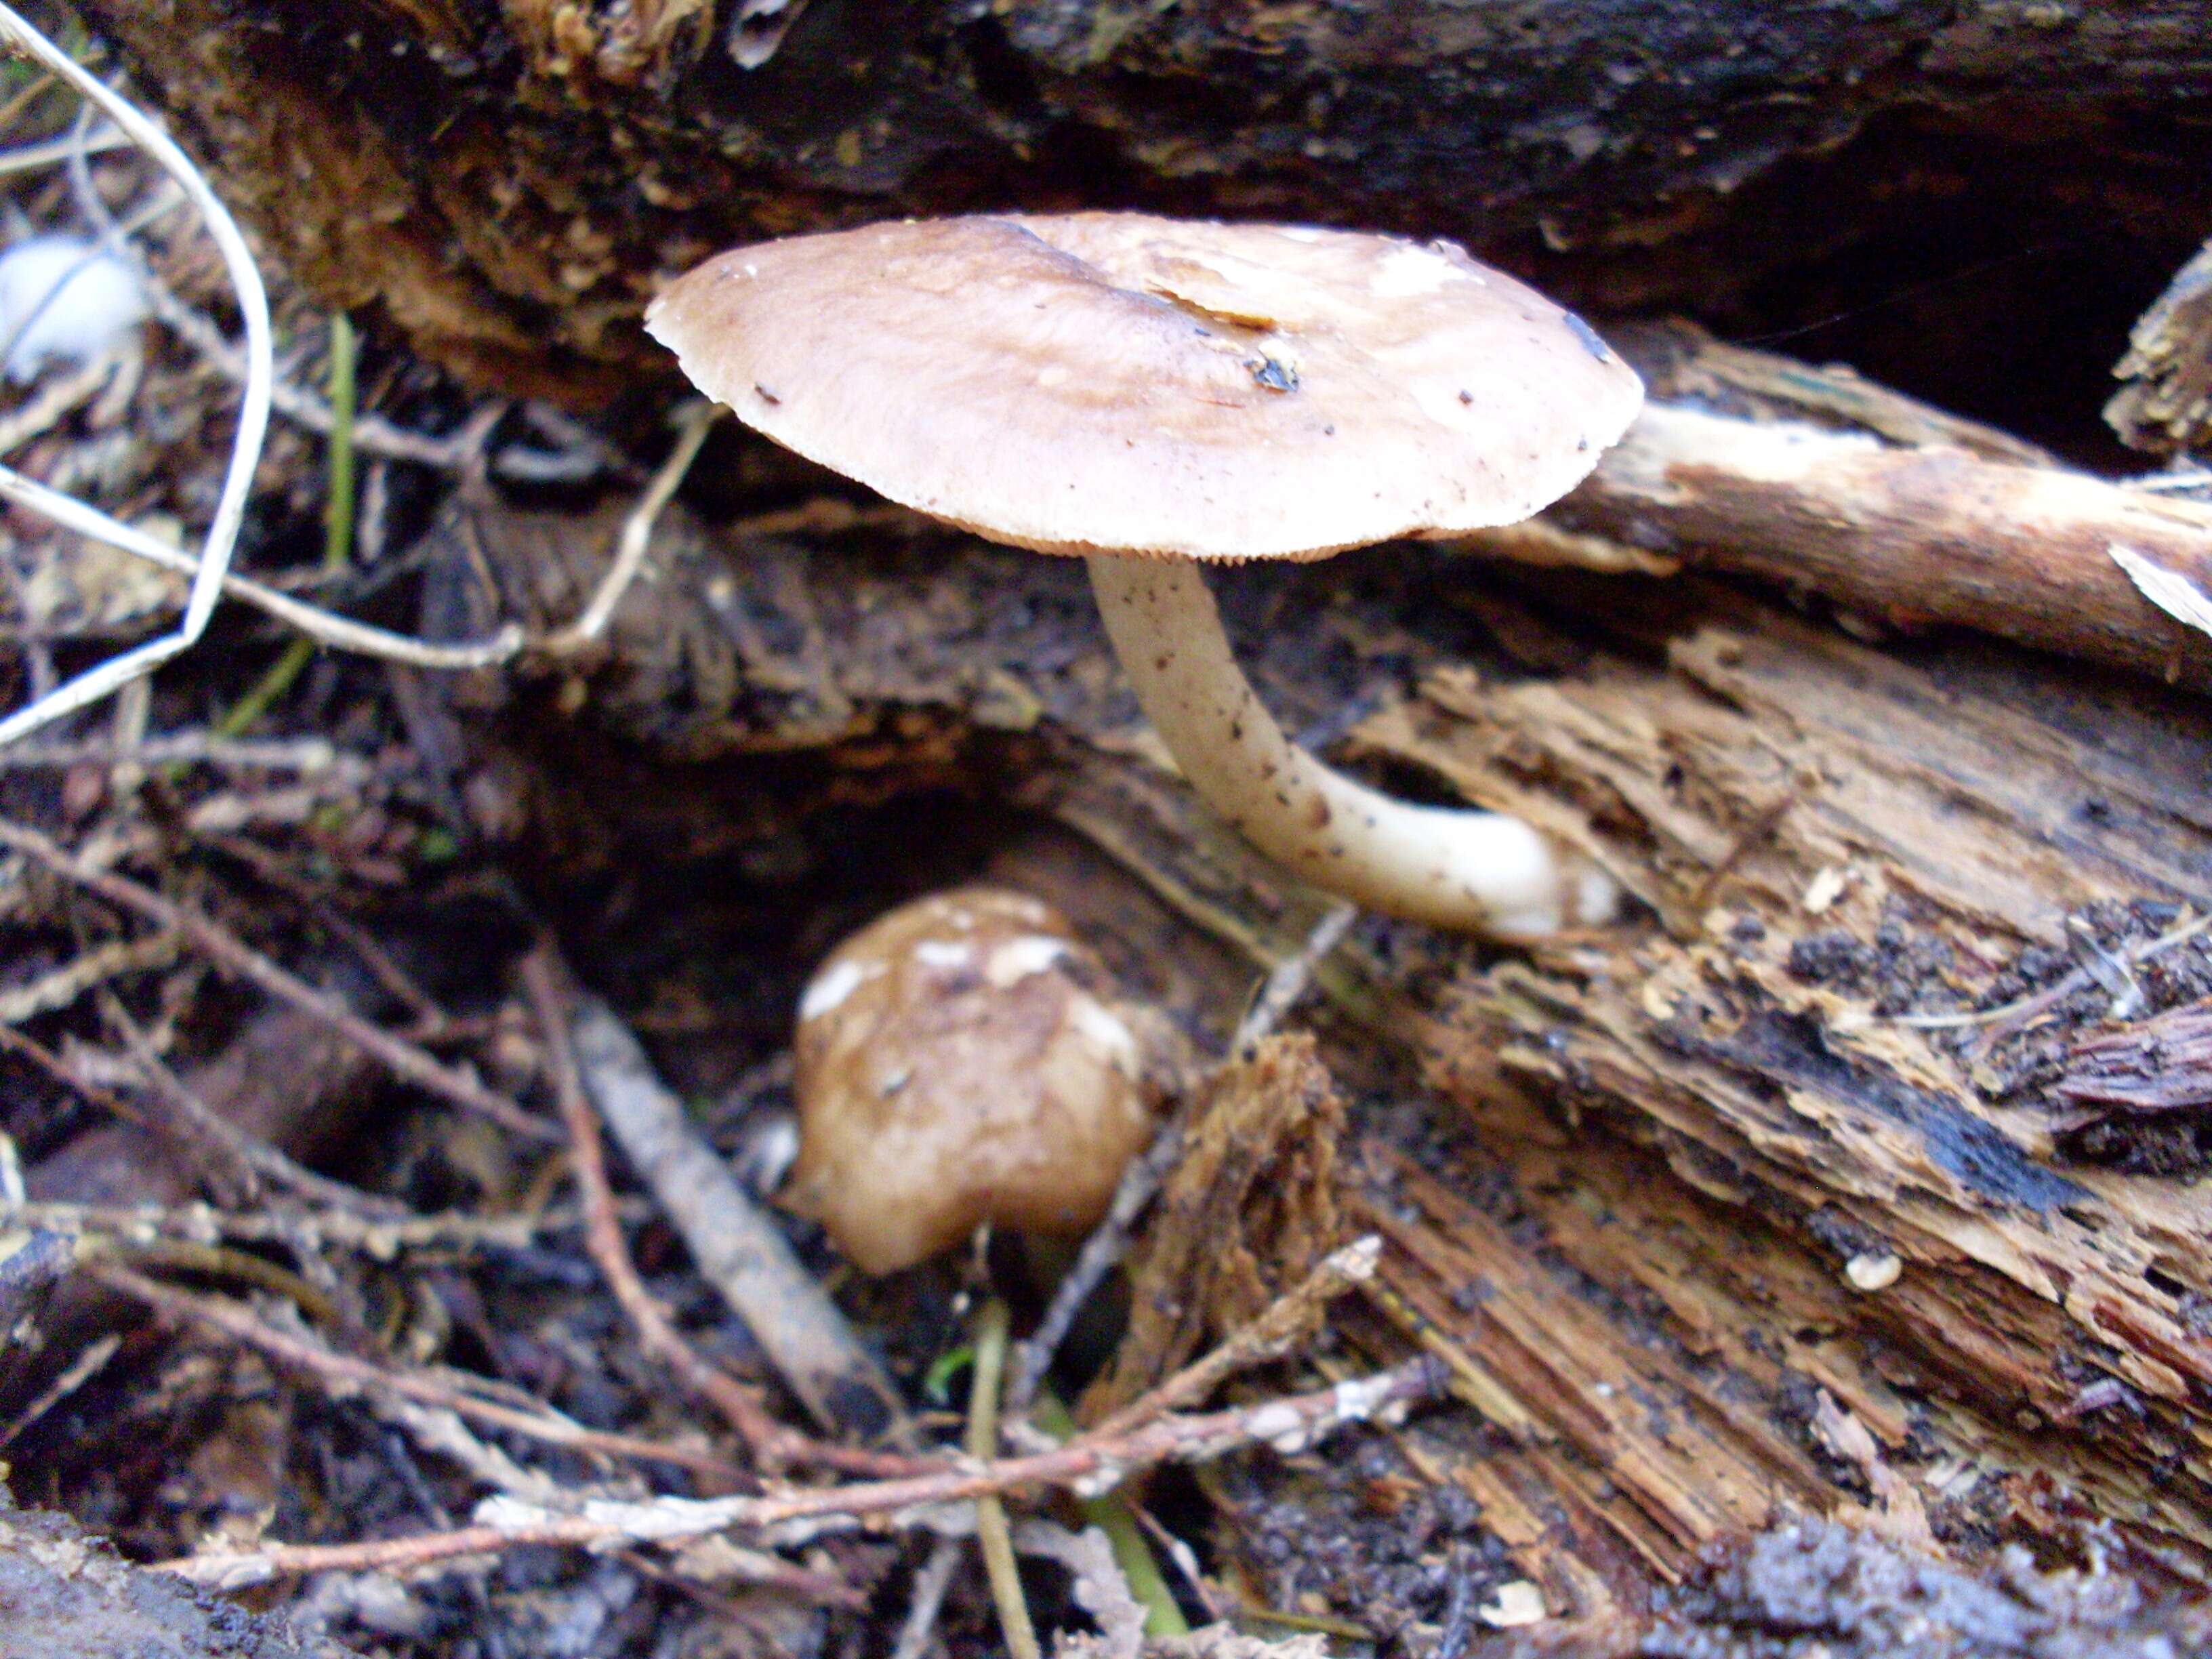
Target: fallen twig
x: 317, y: 624
x: 697, y: 420
x: 1925, y: 533
x: 738, y: 1249
x: 926, y: 1598
x: 404, y: 1059
x: 1289, y: 979
x: 305, y: 1354
x: 310, y: 755
x: 249, y: 1152
x: 378, y: 1236
x: 773, y: 1445
x: 2005, y: 1015
x: 62, y: 986
x: 1108, y: 1243
x: 1283, y: 1322
x: 1278, y: 993
x: 79, y: 1371
x: 54, y: 398
x: 52, y: 152
x: 1091, y: 1464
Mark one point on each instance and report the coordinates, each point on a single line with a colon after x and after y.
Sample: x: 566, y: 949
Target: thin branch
x: 66, y: 984
x: 227, y: 952
x: 773, y: 1445
x: 926, y: 1598
x: 305, y: 1354
x: 52, y: 152
x: 1266, y: 1337
x: 1093, y: 1464
x: 379, y: 1235
x: 308, y: 755
x: 79, y: 1371
x: 1289, y: 979
x: 2051, y: 995
x: 38, y: 414
x: 315, y: 623
x: 694, y: 423
x: 248, y: 1152
x: 738, y: 1248
x: 1108, y: 1243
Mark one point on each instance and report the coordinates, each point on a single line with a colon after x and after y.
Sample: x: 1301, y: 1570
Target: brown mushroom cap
x: 962, y: 1059
x: 1118, y: 383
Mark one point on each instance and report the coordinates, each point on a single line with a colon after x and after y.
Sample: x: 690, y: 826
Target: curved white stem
x: 1477, y: 871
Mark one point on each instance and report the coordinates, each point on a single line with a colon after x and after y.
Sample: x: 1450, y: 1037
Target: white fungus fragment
x: 1519, y: 1602
x: 1110, y: 1031
x: 1873, y: 1270
x: 830, y: 987
x: 64, y: 300
x: 1409, y: 271
x: 1018, y: 959
x: 1824, y: 890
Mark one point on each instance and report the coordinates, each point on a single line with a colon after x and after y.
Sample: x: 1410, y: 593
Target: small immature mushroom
x: 1149, y: 393
x: 962, y: 1059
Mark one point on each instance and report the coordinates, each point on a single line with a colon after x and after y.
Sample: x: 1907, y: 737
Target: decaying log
x: 1755, y: 1162
x: 1824, y: 483
x: 63, y: 1593
x: 505, y: 182
x: 1774, y: 791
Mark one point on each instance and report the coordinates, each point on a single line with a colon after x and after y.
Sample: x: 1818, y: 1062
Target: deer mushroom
x: 963, y: 1059
x: 1152, y: 394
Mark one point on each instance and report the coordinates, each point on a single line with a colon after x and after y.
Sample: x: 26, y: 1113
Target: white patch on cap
x: 1408, y: 271
x: 954, y: 954
x: 1018, y: 959
x: 1104, y: 1027
x: 830, y: 987
x: 1302, y: 234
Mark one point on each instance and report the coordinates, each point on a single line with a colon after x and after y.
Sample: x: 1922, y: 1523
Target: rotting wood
x: 1251, y: 1210
x: 2157, y: 1065
x: 1842, y: 1593
x: 1936, y: 822
x: 1708, y: 1138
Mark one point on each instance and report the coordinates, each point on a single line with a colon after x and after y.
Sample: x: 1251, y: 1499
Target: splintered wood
x: 1799, y: 1206
x: 1251, y: 1209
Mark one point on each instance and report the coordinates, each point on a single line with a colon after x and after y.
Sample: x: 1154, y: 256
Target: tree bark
x: 508, y: 182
